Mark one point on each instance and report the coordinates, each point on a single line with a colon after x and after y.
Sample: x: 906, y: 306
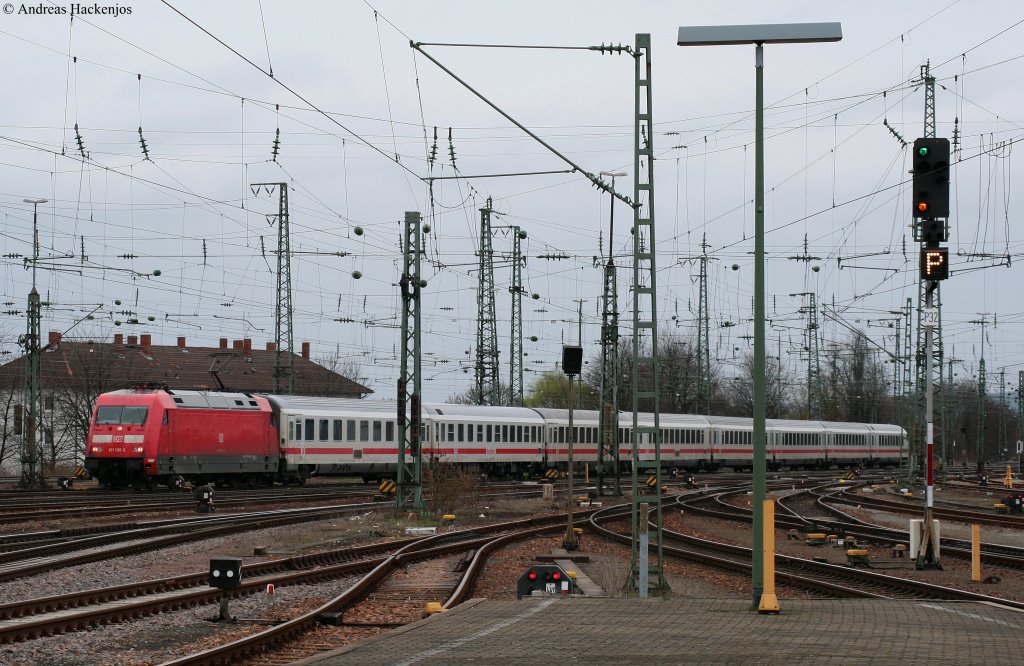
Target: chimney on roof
x: 271, y: 346
x: 236, y: 344
x: 223, y: 343
x: 147, y: 344
x: 118, y: 340
x: 54, y: 339
x: 133, y: 340
x: 305, y: 350
x: 247, y: 346
x: 181, y: 342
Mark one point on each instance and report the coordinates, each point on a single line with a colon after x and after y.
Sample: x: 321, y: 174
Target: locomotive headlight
x: 96, y: 449
x: 138, y: 449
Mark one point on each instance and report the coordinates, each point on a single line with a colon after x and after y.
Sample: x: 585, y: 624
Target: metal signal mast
x: 487, y: 386
x: 410, y: 459
x: 284, y: 340
x: 608, y: 464
x: 935, y: 348
x: 33, y: 474
x: 515, y: 362
x: 645, y: 576
x: 704, y: 334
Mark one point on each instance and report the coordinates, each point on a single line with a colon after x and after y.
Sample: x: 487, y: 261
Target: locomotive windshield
x: 121, y: 415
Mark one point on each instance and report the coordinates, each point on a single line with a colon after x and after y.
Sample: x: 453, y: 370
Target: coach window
x: 462, y: 429
x: 309, y: 430
x: 488, y: 433
x: 451, y: 432
x: 338, y: 430
x: 364, y: 431
x: 324, y: 429
x: 350, y: 430
x: 294, y: 430
x: 504, y: 433
x: 389, y: 431
x: 479, y: 432
x: 469, y: 432
x: 376, y: 431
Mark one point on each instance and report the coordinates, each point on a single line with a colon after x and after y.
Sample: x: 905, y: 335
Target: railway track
x: 129, y: 539
x: 831, y: 579
x: 51, y: 509
x: 809, y: 510
x: 294, y: 639
x: 34, y: 618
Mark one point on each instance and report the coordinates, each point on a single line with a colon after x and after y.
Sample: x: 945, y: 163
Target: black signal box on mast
x: 931, y: 178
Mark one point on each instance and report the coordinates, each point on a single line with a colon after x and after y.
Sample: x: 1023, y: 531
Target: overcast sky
x: 835, y: 173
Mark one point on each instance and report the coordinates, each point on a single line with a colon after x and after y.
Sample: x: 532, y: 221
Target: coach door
x: 300, y: 430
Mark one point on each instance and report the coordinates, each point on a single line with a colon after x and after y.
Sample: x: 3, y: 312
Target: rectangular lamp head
x: 762, y: 33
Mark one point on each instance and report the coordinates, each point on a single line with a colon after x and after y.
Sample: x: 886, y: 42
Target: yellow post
x: 586, y: 473
x: 1008, y: 481
x: 976, y: 553
x: 769, y: 602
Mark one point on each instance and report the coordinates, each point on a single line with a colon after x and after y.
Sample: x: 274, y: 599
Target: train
x: 144, y: 437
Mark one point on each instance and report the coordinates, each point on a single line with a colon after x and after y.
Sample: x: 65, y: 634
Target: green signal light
x: 923, y: 151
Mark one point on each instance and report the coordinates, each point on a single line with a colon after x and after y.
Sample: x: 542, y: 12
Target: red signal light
x: 922, y: 206
x: 532, y: 575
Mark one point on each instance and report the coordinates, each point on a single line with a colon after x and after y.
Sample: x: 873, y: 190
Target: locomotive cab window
x: 121, y: 415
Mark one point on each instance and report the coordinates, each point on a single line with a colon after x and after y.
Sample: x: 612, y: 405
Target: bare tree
x: 677, y: 381
x: 75, y: 384
x: 471, y: 396
x: 779, y: 400
x: 349, y: 368
x: 861, y: 382
x: 10, y: 438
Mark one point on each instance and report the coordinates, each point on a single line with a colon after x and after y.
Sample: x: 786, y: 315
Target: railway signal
x: 931, y: 178
x: 546, y: 578
x: 930, y: 210
x: 225, y: 575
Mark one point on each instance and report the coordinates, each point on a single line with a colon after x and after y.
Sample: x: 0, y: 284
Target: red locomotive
x: 144, y: 437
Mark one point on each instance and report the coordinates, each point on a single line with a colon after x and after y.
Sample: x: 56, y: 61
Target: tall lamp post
x: 759, y: 35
